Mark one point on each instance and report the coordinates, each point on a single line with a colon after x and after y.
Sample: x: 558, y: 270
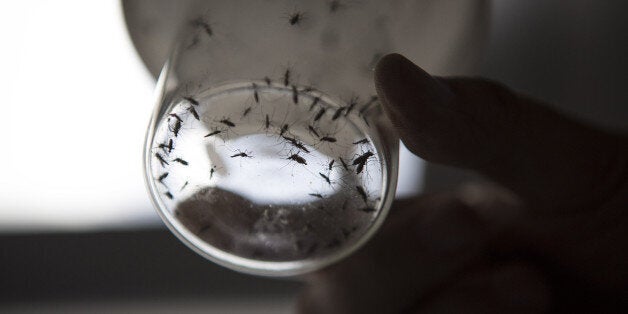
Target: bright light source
x: 75, y: 104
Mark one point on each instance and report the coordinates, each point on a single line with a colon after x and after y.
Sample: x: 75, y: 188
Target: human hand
x: 553, y: 236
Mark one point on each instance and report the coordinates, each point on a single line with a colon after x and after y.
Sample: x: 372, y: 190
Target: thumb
x: 518, y: 142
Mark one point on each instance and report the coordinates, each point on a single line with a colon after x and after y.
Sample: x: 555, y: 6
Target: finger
x: 516, y: 141
x: 506, y: 289
x: 415, y: 251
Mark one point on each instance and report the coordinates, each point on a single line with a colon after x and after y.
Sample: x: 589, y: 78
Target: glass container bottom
x: 256, y: 174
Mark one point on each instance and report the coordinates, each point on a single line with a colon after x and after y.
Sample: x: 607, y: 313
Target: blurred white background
x: 75, y: 103
x: 77, y: 99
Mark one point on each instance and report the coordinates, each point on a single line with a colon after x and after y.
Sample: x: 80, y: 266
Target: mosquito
x: 361, y: 160
x: 181, y: 161
x: 162, y: 177
x: 328, y: 139
x: 286, y: 78
x: 344, y: 164
x: 227, y: 122
x: 335, y: 5
x: 367, y: 209
x: 317, y: 195
x: 314, y: 102
x: 338, y: 113
x: 368, y: 104
x: 169, y: 195
x: 295, y: 95
x: 213, y: 133
x: 284, y: 129
x: 313, y: 131
x: 202, y: 23
x: 167, y: 147
x: 325, y: 177
x: 362, y: 193
x: 194, y: 113
x: 191, y: 100
x: 174, y: 115
x: 255, y: 94
x: 246, y: 112
x: 319, y: 114
x: 298, y: 159
x: 161, y: 159
x: 296, y: 143
x: 211, y: 172
x: 352, y: 103
x: 176, y: 128
x: 241, y: 154
x: 296, y: 18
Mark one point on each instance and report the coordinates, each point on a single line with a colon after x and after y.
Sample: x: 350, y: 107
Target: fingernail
x: 405, y: 86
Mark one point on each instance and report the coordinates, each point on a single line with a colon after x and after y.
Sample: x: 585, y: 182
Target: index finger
x: 542, y: 156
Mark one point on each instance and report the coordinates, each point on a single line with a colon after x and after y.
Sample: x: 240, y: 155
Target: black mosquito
x: 227, y: 122
x: 191, y: 100
x: 167, y: 147
x: 319, y: 114
x: 295, y: 95
x: 314, y: 102
x: 169, y: 195
x: 298, y: 159
x: 362, y: 141
x: 211, y: 172
x: 241, y: 154
x: 296, y: 143
x: 255, y: 94
x: 331, y: 164
x: 181, y: 161
x: 295, y: 18
x: 344, y: 164
x: 176, y: 128
x: 286, y: 78
x: 361, y: 160
x: 317, y: 195
x: 184, y: 185
x: 284, y: 129
x: 246, y: 112
x: 368, y: 104
x: 328, y: 139
x: 161, y: 159
x: 194, y: 113
x: 338, y: 113
x: 362, y: 193
x: 325, y: 177
x: 162, y: 177
x: 176, y: 116
x: 213, y: 133
x: 313, y: 131
x: 335, y: 5
x: 367, y: 209
x: 200, y: 22
x: 352, y: 103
